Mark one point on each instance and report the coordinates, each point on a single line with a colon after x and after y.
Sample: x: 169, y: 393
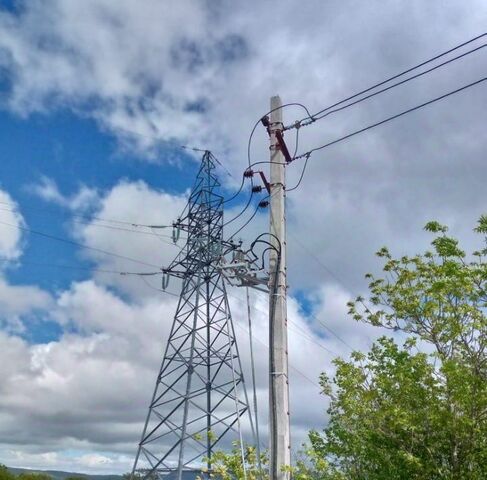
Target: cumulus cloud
x: 134, y: 248
x: 48, y: 191
x: 88, y: 391
x: 19, y: 300
x: 16, y: 301
x: 202, y: 72
x: 10, y: 234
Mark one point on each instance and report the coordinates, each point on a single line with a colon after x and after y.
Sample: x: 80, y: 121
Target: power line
x: 110, y: 227
x: 312, y: 340
x: 79, y: 267
x: 248, y: 221
x: 296, y: 330
x: 388, y: 119
x: 250, y: 164
x: 76, y: 244
x: 88, y: 218
x: 303, y: 171
x: 329, y: 112
x: 298, y: 371
x: 315, y: 116
x: 308, y: 251
x: 247, y: 205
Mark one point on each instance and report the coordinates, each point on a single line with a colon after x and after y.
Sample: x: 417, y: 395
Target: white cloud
x: 88, y: 391
x: 10, y: 234
x: 17, y: 301
x: 153, y: 248
x: 201, y: 72
x: 48, y: 190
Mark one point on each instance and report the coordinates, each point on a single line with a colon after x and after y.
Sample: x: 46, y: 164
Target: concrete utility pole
x: 280, y: 445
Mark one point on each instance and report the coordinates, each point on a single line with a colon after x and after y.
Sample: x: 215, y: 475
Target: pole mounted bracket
x: 265, y: 182
x: 283, y: 146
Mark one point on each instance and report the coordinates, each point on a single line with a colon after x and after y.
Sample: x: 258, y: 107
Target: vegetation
x: 5, y: 474
x: 409, y: 410
x: 415, y: 410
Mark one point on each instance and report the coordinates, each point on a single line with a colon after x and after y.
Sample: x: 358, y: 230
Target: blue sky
x: 71, y: 151
x: 78, y: 78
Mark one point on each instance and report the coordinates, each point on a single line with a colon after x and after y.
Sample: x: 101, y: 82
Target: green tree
x: 33, y: 476
x: 396, y: 413
x: 229, y: 465
x: 5, y: 474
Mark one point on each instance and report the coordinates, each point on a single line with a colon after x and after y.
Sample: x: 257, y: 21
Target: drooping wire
x: 390, y: 87
x: 237, y: 406
x: 239, y: 214
x: 254, y: 381
x: 393, y: 117
x: 80, y: 267
x: 316, y: 115
x: 304, y: 166
x: 76, y: 244
x: 312, y: 255
x: 88, y: 218
x: 247, y: 222
x: 250, y: 164
x: 303, y: 171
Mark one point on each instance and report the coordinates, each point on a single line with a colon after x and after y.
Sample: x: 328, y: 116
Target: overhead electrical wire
x: 312, y: 255
x: 296, y: 146
x: 250, y: 164
x: 79, y: 267
x: 158, y: 289
x: 238, y: 215
x: 88, y: 218
x: 77, y: 244
x: 390, y: 87
x: 252, y: 216
x: 316, y: 116
x: 393, y: 117
x: 248, y: 221
x: 291, y: 366
x: 254, y: 379
x: 161, y: 237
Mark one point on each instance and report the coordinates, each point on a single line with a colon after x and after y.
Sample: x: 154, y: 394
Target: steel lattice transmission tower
x: 200, y: 393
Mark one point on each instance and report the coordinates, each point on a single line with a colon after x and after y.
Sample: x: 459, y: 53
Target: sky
x: 96, y: 100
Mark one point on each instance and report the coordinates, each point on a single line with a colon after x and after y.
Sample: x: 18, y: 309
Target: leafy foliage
x: 5, y: 474
x: 231, y: 465
x: 33, y: 476
x: 397, y: 413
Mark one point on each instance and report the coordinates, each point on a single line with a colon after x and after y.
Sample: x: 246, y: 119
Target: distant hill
x: 59, y: 475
